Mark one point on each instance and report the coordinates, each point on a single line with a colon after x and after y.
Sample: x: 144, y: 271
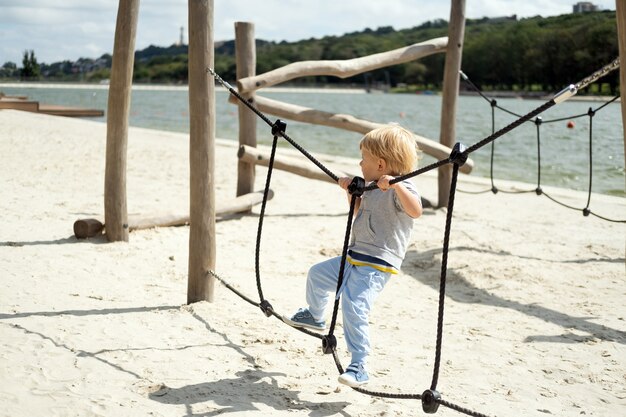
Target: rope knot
x: 458, y: 155
x: 329, y: 343
x: 356, y: 186
x: 266, y: 308
x: 430, y: 401
x: 279, y: 127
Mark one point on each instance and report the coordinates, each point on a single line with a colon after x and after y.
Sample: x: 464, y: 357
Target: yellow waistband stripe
x: 382, y: 268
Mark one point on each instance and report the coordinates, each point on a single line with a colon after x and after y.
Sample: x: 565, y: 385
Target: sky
x: 70, y: 29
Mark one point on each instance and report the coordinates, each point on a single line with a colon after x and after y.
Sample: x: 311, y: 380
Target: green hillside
x: 542, y: 54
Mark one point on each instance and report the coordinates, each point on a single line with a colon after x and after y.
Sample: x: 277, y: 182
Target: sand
x: 534, y: 319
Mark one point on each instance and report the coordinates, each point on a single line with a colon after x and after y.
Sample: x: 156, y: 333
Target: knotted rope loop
x: 458, y: 156
x: 266, y: 308
x: 329, y: 343
x: 279, y: 128
x: 430, y: 401
x: 356, y: 187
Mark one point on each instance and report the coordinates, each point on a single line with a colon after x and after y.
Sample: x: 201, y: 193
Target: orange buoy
x: 570, y: 125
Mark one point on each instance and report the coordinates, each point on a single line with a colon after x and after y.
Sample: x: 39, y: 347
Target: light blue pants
x: 360, y: 288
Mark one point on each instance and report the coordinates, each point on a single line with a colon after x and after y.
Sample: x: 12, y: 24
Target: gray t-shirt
x: 381, y: 227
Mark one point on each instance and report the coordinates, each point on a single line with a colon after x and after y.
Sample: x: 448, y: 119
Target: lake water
x: 564, y: 151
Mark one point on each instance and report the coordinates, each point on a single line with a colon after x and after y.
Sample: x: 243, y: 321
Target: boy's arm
x: 411, y: 203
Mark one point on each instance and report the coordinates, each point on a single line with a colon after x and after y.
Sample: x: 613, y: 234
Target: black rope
x: 493, y: 146
x: 560, y: 202
x: 233, y: 289
x: 475, y: 146
x: 606, y: 218
x: 582, y: 114
x: 254, y: 303
x: 442, y: 279
x: 344, y: 255
x: 273, y: 125
x: 356, y: 188
x: 460, y: 409
x: 268, y: 180
x: 431, y: 399
x: 510, y: 126
x: 538, y: 121
x: 591, y: 113
x: 412, y: 174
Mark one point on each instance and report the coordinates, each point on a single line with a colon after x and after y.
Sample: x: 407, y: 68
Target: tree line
x: 531, y: 54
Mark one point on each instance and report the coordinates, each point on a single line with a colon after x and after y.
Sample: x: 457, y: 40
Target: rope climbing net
x: 430, y: 398
x: 538, y: 122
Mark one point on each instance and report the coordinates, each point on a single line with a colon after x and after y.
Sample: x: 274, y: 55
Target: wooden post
x: 456, y: 35
x: 620, y: 15
x: 200, y: 285
x: 245, y: 56
x: 115, y: 208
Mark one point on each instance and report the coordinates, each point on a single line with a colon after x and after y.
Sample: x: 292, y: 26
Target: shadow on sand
x: 425, y: 267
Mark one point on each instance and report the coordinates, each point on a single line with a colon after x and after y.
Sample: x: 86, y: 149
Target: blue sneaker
x: 355, y: 375
x: 303, y: 318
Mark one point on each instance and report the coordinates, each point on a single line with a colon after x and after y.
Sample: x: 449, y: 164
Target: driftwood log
x: 346, y: 122
x: 85, y: 228
x: 342, y: 68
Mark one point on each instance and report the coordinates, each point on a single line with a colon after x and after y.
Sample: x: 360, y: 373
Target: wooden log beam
x: 84, y: 228
x: 298, y: 165
x: 450, y: 93
x: 620, y: 16
x: 241, y: 204
x: 245, y: 58
x: 342, y: 68
x: 118, y: 109
x: 346, y: 122
x: 202, y: 246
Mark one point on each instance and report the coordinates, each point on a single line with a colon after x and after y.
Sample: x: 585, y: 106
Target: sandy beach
x: 535, y: 323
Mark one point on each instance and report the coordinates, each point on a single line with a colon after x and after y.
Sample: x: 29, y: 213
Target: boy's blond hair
x: 395, y: 145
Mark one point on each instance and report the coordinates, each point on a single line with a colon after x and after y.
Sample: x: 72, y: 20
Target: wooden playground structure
x: 203, y: 207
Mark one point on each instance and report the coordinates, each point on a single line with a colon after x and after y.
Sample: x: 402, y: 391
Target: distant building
x: 585, y: 7
x: 181, y: 41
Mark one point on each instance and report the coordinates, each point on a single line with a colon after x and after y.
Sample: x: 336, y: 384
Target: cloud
x: 70, y: 29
